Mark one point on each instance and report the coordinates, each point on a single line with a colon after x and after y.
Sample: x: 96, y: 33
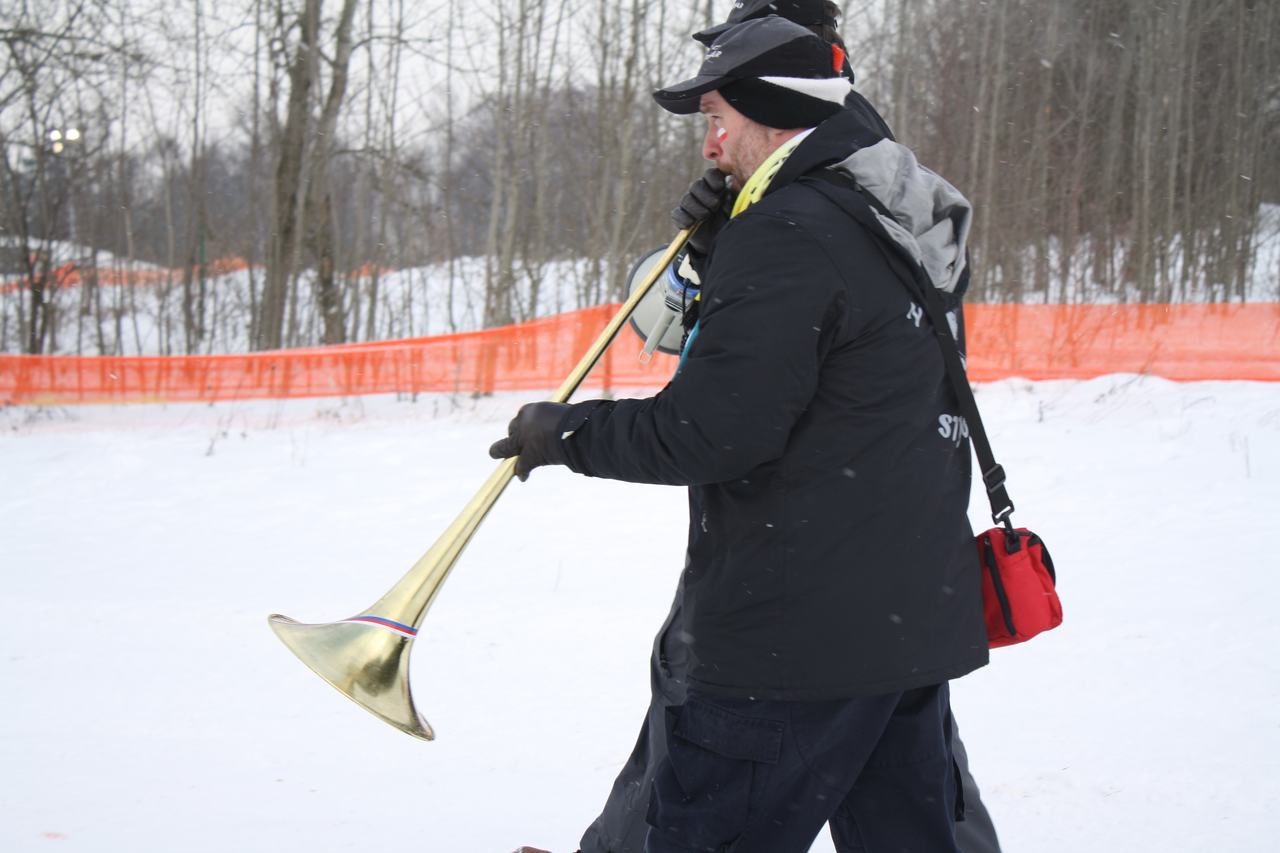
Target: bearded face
x: 734, y: 143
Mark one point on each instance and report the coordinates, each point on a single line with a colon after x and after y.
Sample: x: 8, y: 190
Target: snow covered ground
x: 147, y: 707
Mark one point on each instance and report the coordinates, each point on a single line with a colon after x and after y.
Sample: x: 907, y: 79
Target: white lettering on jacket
x: 915, y: 313
x: 953, y: 427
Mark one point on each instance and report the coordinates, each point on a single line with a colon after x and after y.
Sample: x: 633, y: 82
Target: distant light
x: 57, y: 148
x: 73, y: 134
x: 55, y: 135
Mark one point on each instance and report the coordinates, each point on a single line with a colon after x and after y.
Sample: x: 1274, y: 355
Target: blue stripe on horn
x: 408, y: 629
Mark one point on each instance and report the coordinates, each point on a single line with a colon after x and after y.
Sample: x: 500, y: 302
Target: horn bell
x: 366, y: 658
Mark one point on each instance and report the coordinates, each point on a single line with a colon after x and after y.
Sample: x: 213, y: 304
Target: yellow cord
x: 759, y: 181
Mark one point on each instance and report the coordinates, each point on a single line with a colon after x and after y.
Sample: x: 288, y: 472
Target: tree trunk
x: 289, y: 189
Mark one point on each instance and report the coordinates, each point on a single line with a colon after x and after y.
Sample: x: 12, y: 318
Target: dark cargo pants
x: 763, y: 776
x: 621, y: 826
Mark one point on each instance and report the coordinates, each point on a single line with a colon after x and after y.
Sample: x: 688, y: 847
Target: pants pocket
x: 702, y: 792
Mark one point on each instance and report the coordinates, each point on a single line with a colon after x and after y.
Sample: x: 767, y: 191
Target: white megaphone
x: 657, y: 318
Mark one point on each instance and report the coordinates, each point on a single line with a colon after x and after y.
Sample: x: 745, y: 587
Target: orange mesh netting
x: 1180, y: 342
x: 73, y: 275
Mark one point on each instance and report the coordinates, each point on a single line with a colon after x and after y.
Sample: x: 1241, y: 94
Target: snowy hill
x: 147, y: 707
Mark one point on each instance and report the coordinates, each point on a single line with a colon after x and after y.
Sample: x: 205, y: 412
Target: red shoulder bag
x: 1019, y: 585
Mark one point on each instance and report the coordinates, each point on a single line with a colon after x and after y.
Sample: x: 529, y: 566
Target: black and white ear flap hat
x: 771, y: 70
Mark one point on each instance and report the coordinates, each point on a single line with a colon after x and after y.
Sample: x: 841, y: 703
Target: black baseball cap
x: 785, y: 54
x: 806, y: 13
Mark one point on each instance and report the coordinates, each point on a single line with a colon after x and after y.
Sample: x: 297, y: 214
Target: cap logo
x: 713, y: 52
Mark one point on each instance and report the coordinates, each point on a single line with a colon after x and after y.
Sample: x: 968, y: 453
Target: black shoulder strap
x: 862, y: 207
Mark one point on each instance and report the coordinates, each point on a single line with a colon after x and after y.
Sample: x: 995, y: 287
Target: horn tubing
x: 412, y: 596
x: 408, y: 601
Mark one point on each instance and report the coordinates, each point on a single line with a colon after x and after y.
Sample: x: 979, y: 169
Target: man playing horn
x: 831, y: 588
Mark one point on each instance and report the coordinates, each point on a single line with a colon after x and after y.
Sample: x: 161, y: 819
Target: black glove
x: 534, y: 436
x: 708, y: 202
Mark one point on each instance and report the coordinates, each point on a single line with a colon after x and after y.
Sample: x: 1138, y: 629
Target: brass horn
x: 367, y: 656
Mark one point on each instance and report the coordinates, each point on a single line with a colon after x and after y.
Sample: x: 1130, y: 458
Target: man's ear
x: 777, y: 137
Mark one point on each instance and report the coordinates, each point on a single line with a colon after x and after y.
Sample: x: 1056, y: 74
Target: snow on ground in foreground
x: 147, y: 707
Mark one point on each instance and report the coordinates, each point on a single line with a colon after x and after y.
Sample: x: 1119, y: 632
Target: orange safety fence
x: 73, y: 275
x: 1179, y: 342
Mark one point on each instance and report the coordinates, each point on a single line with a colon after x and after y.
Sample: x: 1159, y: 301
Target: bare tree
x: 52, y: 78
x: 304, y: 147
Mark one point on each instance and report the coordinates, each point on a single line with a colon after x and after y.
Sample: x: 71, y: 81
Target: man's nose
x: 710, y: 146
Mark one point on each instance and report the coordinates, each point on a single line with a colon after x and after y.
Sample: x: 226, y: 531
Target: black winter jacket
x: 829, y: 553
